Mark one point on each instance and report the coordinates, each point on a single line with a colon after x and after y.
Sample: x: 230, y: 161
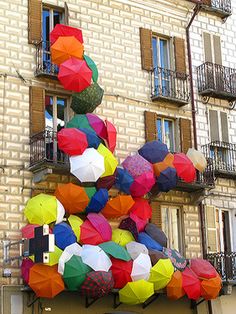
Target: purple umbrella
x: 130, y: 225
x: 167, y: 180
x: 100, y: 223
x: 136, y: 165
x: 155, y: 256
x: 154, y: 151
x: 25, y: 269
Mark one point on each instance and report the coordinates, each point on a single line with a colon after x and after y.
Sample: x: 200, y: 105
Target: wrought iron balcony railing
x: 225, y: 264
x: 44, y: 65
x: 168, y: 85
x: 220, y: 7
x: 217, y: 81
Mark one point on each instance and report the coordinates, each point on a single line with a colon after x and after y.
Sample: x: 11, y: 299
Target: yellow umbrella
x: 136, y: 292
x: 197, y: 158
x: 75, y: 223
x: 122, y: 237
x: 41, y: 209
x: 109, y: 161
x: 161, y: 273
x: 53, y: 256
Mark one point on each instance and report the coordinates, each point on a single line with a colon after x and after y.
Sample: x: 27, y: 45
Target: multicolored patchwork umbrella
x: 136, y: 292
x: 115, y: 250
x: 97, y: 284
x: 136, y: 165
x: 176, y: 258
x: 121, y: 271
x: 154, y: 151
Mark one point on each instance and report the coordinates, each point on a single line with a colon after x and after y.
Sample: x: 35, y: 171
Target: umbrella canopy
x: 109, y: 160
x: 210, y: 288
x: 100, y: 223
x: 161, y: 273
x: 130, y: 225
x: 54, y: 256
x: 140, y: 223
x: 106, y: 182
x: 98, y: 201
x: 184, y: 167
x: 92, y: 138
x: 151, y: 244
x: 90, y: 191
x: 123, y: 180
x: 122, y: 237
x: 154, y: 151
x: 45, y: 281
x: 174, y: 288
x: 156, y: 234
x: 66, y: 47
x: 64, y: 235
x: 70, y: 250
x: 95, y: 257
x: 202, y: 268
x: 92, y: 66
x: 89, y: 234
x: 28, y: 231
x: 72, y: 141
x: 88, y: 99
x: 162, y: 165
x: 73, y: 197
x: 136, y: 292
x: 121, y: 271
x: 155, y: 256
x: 41, y: 209
x: 75, y: 272
x: 197, y: 158
x: 65, y: 30
x: 97, y: 124
x: 191, y: 284
x: 75, y: 223
x: 136, y: 165
x: 141, y: 267
x: 74, y: 75
x: 167, y: 180
x: 26, y: 264
x: 141, y: 208
x: 87, y: 167
x: 135, y: 249
x: 60, y: 212
x: 142, y: 184
x: 118, y: 206
x: 177, y: 259
x: 97, y: 284
x: 115, y: 250
x: 111, y: 135
x: 79, y: 121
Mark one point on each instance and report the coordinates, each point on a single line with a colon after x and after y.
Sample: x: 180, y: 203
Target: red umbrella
x: 140, y: 223
x: 97, y: 124
x: 65, y: 30
x: 121, y: 271
x: 89, y: 234
x: 202, y: 268
x: 184, y: 167
x: 75, y: 75
x: 97, y: 284
x: 106, y: 182
x: 72, y: 141
x: 142, y: 184
x: 111, y: 135
x: 141, y: 208
x: 25, y: 269
x: 191, y: 284
x: 100, y: 223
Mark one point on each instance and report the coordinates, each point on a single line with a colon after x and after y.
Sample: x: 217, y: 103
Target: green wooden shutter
x: 214, y: 125
x: 150, y: 120
x: 211, y: 228
x: 146, y: 48
x: 34, y: 21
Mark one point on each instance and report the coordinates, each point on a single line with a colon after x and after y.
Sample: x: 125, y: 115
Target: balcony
x: 171, y: 86
x: 221, y: 8
x: 44, y: 66
x: 216, y: 81
x: 221, y: 156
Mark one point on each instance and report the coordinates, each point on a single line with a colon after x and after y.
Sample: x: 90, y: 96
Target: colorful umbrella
x: 121, y: 271
x: 65, y: 30
x: 64, y: 235
x: 79, y: 121
x: 122, y: 237
x: 130, y: 225
x: 89, y: 234
x: 174, y: 288
x: 136, y: 165
x: 74, y: 75
x: 45, y: 281
x: 87, y: 167
x: 177, y: 259
x: 118, y: 206
x: 210, y: 288
x: 156, y: 234
x: 73, y: 197
x: 100, y: 223
x: 155, y: 256
x: 167, y: 180
x: 92, y: 66
x: 123, y: 180
x: 140, y: 223
x: 60, y: 212
x: 202, y: 268
x: 161, y: 273
x: 135, y: 249
x: 66, y: 47
x: 92, y: 138
x: 75, y: 223
x: 136, y: 292
x: 141, y: 267
x: 162, y: 165
x: 141, y: 208
x: 98, y: 201
x: 111, y: 135
x: 142, y: 184
x: 109, y: 161
x: 115, y: 250
x: 72, y: 141
x: 106, y: 182
x: 28, y: 231
x: 197, y: 158
x: 97, y: 124
x: 97, y: 284
x: 184, y: 167
x: 70, y: 250
x: 90, y: 191
x: 25, y: 269
x: 191, y: 284
x: 151, y: 244
x: 154, y: 151
x: 95, y: 257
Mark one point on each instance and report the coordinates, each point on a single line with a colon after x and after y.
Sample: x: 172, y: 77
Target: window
x: 212, y: 48
x: 165, y: 132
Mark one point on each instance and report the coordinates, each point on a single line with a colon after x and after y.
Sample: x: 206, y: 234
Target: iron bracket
x: 151, y: 300
x: 89, y: 302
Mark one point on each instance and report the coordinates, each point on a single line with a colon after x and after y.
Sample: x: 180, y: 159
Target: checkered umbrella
x: 97, y: 284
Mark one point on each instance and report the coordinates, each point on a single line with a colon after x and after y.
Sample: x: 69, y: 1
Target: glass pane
x: 49, y: 112
x: 57, y: 18
x: 61, y: 116
x: 165, y: 222
x: 46, y: 24
x: 163, y: 53
x: 174, y: 229
x: 154, y: 51
x: 159, y: 129
x: 169, y: 134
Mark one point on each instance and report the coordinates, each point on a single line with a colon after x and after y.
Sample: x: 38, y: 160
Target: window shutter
x: 185, y: 134
x: 211, y: 229
x: 214, y: 125
x: 180, y: 60
x: 207, y: 47
x: 34, y: 21
x: 37, y: 108
x: 146, y: 48
x: 150, y: 120
x: 156, y: 214
x: 217, y: 49
x: 66, y: 14
x: 224, y: 127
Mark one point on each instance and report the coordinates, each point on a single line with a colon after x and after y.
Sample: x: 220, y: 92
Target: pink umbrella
x: 97, y: 124
x: 184, y: 167
x: 202, y: 268
x: 140, y: 223
x: 28, y: 231
x: 25, y: 269
x: 136, y: 165
x: 142, y: 184
x: 100, y: 223
x: 111, y: 135
x: 65, y: 30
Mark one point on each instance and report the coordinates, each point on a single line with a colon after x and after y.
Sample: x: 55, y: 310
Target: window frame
x: 51, y: 9
x: 219, y: 229
x: 219, y: 123
x: 163, y: 119
x: 168, y: 40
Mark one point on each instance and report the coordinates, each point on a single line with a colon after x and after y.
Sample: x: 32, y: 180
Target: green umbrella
x: 115, y: 250
x: 75, y: 272
x: 90, y: 191
x: 79, y: 121
x: 92, y: 66
x: 88, y: 99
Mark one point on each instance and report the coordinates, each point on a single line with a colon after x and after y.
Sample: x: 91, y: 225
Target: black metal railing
x: 170, y: 85
x: 44, y: 65
x: 221, y: 5
x: 216, y: 80
x: 225, y: 264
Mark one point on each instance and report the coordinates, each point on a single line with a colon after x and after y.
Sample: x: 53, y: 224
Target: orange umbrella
x: 174, y: 288
x: 66, y: 47
x: 161, y: 166
x: 118, y: 206
x: 210, y: 288
x: 73, y: 197
x: 45, y: 281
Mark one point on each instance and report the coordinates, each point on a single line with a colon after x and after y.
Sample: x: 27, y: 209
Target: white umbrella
x: 135, y: 248
x: 197, y: 158
x: 95, y: 257
x: 60, y: 212
x: 70, y: 250
x: 87, y: 167
x: 141, y: 267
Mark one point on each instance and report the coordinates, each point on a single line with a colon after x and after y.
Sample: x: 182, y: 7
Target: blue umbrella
x: 167, y: 180
x: 92, y: 138
x: 123, y: 180
x: 151, y: 244
x: 64, y: 235
x: 98, y: 201
x: 154, y: 151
